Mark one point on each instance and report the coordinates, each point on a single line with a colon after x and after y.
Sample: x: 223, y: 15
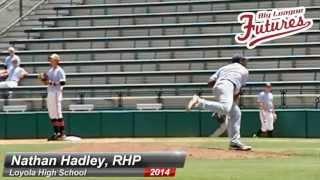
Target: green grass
x: 304, y: 164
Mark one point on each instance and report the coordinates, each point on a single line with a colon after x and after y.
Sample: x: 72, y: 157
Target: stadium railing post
x: 120, y: 103
x: 283, y: 98
x: 317, y: 101
x: 81, y: 98
x: 159, y: 99
x: 6, y: 97
x: 20, y: 8
x: 43, y: 101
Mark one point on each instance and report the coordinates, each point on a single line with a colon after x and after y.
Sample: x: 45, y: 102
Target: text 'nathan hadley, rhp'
x: 69, y: 160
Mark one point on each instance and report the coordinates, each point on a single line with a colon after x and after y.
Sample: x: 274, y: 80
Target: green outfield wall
x: 166, y: 123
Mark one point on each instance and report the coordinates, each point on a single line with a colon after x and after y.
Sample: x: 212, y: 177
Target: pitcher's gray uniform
x: 267, y: 114
x: 228, y: 81
x: 55, y: 76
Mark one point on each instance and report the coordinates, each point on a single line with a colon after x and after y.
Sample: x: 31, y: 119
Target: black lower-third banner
x: 159, y: 164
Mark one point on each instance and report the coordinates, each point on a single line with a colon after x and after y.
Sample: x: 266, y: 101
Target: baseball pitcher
x: 226, y: 83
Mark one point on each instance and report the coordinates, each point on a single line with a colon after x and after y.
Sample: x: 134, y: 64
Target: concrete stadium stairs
x: 32, y: 21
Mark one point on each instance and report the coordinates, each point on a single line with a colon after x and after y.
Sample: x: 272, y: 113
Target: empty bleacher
x: 119, y: 53
x: 148, y: 41
x: 157, y: 18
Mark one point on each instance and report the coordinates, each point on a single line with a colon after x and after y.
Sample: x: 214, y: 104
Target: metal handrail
x: 5, y: 5
x: 21, y: 16
x: 3, y: 2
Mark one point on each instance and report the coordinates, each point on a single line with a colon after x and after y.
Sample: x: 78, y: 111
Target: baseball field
x: 208, y: 158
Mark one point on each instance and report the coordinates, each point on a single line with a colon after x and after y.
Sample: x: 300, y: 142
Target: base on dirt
x: 72, y: 138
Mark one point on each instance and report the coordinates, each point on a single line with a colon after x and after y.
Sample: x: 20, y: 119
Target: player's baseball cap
x: 237, y: 58
x: 54, y: 57
x: 11, y: 50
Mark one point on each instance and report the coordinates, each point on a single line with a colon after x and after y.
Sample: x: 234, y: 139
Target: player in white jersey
x: 14, y: 75
x: 226, y: 83
x: 8, y: 62
x: 55, y: 78
x: 267, y: 113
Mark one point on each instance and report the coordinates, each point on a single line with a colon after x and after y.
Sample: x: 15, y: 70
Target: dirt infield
x: 193, y: 152
x: 198, y: 148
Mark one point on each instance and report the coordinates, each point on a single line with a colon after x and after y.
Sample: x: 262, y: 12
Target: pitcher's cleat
x: 239, y: 147
x: 194, y: 102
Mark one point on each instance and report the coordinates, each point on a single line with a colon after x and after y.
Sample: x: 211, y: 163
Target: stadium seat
x: 81, y: 107
x: 156, y: 18
x: 14, y: 108
x: 154, y: 106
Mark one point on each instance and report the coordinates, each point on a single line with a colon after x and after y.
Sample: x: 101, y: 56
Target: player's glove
x: 211, y: 83
x: 43, y: 77
x: 220, y: 118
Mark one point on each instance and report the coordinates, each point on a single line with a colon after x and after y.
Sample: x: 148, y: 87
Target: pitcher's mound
x: 193, y: 152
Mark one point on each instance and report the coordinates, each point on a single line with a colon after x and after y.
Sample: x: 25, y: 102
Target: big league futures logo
x: 264, y: 26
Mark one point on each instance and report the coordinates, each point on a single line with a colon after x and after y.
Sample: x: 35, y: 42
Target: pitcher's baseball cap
x: 237, y: 58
